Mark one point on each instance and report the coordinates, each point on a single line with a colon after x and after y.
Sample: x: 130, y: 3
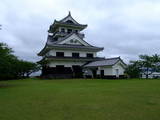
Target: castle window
x: 59, y: 54
x: 69, y: 30
x: 89, y: 55
x: 62, y: 30
x: 75, y: 55
x: 72, y: 41
x: 75, y: 41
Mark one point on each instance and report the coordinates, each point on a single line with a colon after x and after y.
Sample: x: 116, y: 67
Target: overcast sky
x: 124, y: 28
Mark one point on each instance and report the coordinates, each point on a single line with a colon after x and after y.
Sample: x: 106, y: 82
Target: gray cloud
x: 124, y: 28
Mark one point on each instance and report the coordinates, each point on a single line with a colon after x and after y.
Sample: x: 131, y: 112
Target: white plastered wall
x: 120, y: 68
x: 65, y: 63
x: 111, y: 70
x: 107, y: 70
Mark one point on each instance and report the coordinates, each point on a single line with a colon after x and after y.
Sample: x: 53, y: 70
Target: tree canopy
x: 145, y: 65
x: 11, y: 67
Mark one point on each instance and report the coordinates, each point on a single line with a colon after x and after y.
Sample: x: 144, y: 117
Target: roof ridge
x: 108, y: 58
x: 69, y: 15
x: 64, y: 17
x: 70, y: 24
x: 105, y: 62
x: 74, y: 46
x: 112, y: 58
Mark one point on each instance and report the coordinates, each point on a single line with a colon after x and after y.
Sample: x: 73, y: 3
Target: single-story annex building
x: 107, y: 68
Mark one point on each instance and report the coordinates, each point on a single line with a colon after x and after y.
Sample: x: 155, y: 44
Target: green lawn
x: 80, y: 99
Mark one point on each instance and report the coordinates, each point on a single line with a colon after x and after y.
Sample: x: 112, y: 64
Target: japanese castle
x: 67, y: 55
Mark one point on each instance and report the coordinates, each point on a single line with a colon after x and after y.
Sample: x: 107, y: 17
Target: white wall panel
x: 65, y: 63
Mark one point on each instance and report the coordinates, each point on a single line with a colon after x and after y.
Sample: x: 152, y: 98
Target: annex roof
x: 106, y: 62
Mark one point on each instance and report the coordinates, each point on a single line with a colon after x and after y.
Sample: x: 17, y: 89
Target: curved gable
x: 69, y: 19
x: 120, y: 63
x: 74, y: 40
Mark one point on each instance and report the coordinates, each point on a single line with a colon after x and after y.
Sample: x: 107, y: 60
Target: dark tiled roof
x: 57, y: 24
x: 72, y: 24
x: 51, y: 41
x: 54, y: 44
x: 69, y: 47
x: 69, y: 15
x: 106, y: 62
x: 75, y: 47
x: 86, y: 59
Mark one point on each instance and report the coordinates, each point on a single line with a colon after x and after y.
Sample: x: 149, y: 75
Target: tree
x: 11, y: 67
x: 28, y: 68
x: 156, y: 60
x: 145, y: 65
x: 6, y: 61
x: 133, y: 70
x: 149, y: 64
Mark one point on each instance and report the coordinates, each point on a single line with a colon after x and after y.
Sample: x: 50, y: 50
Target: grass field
x: 34, y: 99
